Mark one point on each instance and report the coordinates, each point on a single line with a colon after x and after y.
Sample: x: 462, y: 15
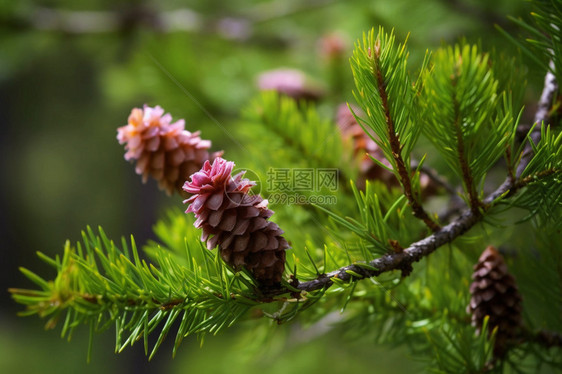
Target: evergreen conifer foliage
x: 470, y: 122
x: 397, y: 272
x: 387, y: 95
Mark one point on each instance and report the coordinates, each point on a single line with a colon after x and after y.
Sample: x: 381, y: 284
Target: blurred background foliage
x: 70, y: 72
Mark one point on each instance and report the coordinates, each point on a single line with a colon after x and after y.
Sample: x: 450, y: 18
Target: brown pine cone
x: 163, y: 150
x: 495, y: 294
x: 237, y: 222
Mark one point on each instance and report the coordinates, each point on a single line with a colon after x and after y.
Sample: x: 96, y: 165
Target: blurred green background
x: 70, y: 72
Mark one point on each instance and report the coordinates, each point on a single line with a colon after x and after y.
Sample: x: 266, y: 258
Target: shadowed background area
x: 70, y: 73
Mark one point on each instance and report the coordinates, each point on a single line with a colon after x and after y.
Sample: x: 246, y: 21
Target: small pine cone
x: 363, y: 145
x: 163, y: 150
x: 236, y: 221
x: 290, y: 82
x: 332, y: 46
x: 495, y: 294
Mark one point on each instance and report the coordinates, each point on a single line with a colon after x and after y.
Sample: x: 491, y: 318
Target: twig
x: 237, y: 27
x: 455, y: 207
x: 541, y: 115
x: 548, y: 338
x: 466, y: 173
x: 140, y: 16
x: 456, y: 203
x: 424, y: 247
x: 396, y: 147
x: 435, y: 177
x: 416, y: 251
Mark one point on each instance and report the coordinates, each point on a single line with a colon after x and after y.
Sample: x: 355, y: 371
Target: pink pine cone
x: 364, y: 146
x: 289, y: 82
x: 162, y: 149
x: 236, y: 221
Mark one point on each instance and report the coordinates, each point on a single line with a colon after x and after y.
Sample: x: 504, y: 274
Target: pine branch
x: 548, y: 338
x: 531, y: 178
x: 293, y: 147
x: 454, y: 209
x: 388, y: 99
x: 542, y: 115
x: 545, y: 338
x: 415, y: 252
x: 237, y: 27
x: 456, y: 203
x: 274, y: 115
x: 435, y: 177
x: 396, y: 147
x: 542, y: 42
x: 469, y: 140
x: 99, y: 284
x: 465, y: 167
